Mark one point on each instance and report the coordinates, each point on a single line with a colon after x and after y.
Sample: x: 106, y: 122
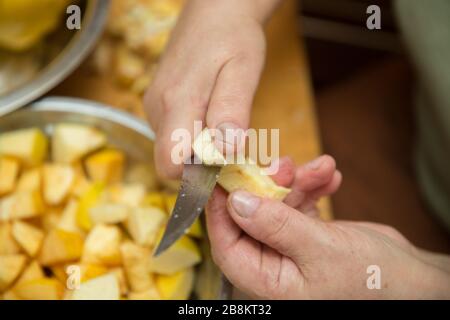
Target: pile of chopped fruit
x: 72, y: 228
x: 136, y: 35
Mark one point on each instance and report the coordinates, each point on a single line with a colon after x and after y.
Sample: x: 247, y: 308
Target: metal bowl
x: 79, y: 45
x: 124, y: 131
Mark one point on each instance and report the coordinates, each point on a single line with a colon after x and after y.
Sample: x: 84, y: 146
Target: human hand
x: 209, y: 72
x: 270, y: 250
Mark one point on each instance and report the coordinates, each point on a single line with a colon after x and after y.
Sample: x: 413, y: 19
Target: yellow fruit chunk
x: 102, y: 246
x: 68, y: 220
x: 30, y: 180
x: 128, y: 65
x: 81, y: 183
x: 149, y: 294
x: 169, y: 202
x: 29, y: 145
x: 154, y: 199
x: 87, y: 271
x: 32, y: 272
x: 71, y: 142
x: 7, y: 243
x: 121, y: 279
x: 60, y: 246
x: 144, y: 174
x: 9, y: 170
x: 196, y: 229
x: 10, y: 268
x: 59, y: 272
x: 177, y: 286
x: 135, y: 261
x: 50, y: 219
x: 108, y: 213
x: 205, y: 149
x: 250, y: 177
x: 21, y: 28
x: 127, y: 194
x: 28, y: 236
x: 105, y: 287
x: 87, y: 201
x: 182, y: 254
x: 40, y: 289
x: 106, y: 166
x: 144, y: 223
x: 57, y: 182
x: 21, y: 205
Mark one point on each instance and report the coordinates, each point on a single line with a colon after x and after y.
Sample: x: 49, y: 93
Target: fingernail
x: 315, y: 164
x: 244, y: 203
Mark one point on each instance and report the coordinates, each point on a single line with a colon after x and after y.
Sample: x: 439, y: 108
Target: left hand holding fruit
x: 270, y: 250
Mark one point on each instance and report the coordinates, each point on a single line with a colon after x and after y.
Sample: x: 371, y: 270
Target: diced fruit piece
x: 51, y: 218
x: 9, y: 170
x: 144, y: 223
x: 249, y: 177
x: 10, y: 268
x: 149, y: 294
x: 154, y: 199
x: 144, y: 174
x: 30, y: 180
x: 29, y: 145
x: 182, y: 254
x: 28, y: 236
x: 60, y: 246
x: 40, y: 289
x: 68, y: 220
x: 122, y: 279
x: 71, y: 142
x: 108, y: 213
x: 105, y: 287
x: 7, y: 243
x: 127, y: 194
x: 87, y: 271
x: 57, y: 182
x: 196, y: 229
x: 169, y: 202
x: 177, y: 286
x: 128, y: 65
x: 106, y: 166
x: 135, y: 261
x: 102, y: 246
x: 87, y: 201
x: 205, y: 149
x: 21, y: 205
x: 81, y: 183
x: 32, y: 272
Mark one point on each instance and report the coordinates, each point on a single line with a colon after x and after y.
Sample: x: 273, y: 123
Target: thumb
x: 275, y: 224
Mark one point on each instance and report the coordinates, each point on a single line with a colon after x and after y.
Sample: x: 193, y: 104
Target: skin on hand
x: 209, y: 72
x: 269, y: 249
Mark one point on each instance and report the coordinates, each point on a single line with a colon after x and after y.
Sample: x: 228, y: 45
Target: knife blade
x: 197, y: 184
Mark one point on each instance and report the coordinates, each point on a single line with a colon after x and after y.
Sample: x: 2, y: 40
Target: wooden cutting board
x: 284, y: 99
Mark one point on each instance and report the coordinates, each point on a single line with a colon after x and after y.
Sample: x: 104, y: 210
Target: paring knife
x: 196, y: 186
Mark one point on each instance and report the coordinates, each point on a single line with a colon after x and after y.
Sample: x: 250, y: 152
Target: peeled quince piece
x: 10, y: 268
x: 106, y: 166
x: 102, y: 246
x: 40, y: 289
x: 60, y: 246
x: 58, y: 180
x: 28, y: 236
x: 9, y: 171
x: 71, y: 142
x: 143, y: 224
x: 105, y: 287
x: 21, y: 205
x: 177, y: 286
x: 28, y: 145
x: 183, y: 254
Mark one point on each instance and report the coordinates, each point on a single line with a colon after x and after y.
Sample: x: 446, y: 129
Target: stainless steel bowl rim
x: 91, y: 108
x: 67, y: 61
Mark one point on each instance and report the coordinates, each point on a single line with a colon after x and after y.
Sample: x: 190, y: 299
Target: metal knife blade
x: 196, y: 186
